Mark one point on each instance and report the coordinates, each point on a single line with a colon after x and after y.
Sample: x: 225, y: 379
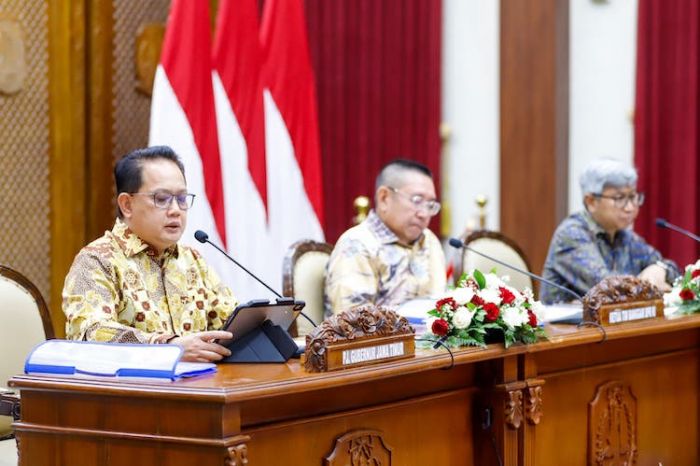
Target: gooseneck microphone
x: 203, y: 237
x: 459, y: 244
x: 662, y: 223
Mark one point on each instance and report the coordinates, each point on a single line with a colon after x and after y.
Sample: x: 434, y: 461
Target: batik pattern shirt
x: 581, y: 255
x: 120, y: 290
x: 368, y: 265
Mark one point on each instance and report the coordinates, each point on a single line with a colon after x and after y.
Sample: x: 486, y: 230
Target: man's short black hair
x: 127, y: 171
x: 393, y: 170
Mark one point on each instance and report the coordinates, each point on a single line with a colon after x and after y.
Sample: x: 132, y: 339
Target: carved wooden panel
x: 237, y: 455
x: 514, y: 408
x: 612, y: 426
x: 24, y: 140
x: 533, y: 400
x: 360, y: 448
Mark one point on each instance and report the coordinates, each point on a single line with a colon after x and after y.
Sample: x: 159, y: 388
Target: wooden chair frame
x: 10, y: 402
x: 15, y: 276
x: 498, y: 236
x: 294, y: 252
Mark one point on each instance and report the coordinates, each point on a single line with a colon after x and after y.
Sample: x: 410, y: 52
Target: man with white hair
x: 392, y: 256
x: 599, y: 242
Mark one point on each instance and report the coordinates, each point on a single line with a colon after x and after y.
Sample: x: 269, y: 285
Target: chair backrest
x: 24, y: 323
x: 304, y: 276
x: 501, y: 247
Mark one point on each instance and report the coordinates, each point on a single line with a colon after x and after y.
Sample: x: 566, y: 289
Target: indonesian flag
x: 240, y: 114
x: 295, y: 202
x: 183, y: 117
x: 243, y: 118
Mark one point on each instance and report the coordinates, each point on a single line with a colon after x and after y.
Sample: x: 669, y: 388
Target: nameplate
x: 613, y: 314
x: 358, y: 337
x: 370, y: 351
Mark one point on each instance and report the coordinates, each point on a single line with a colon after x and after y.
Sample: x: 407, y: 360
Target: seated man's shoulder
x: 101, y: 249
x: 356, y: 240
x: 573, y: 228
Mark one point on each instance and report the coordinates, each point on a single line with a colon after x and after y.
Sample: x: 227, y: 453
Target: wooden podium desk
x: 573, y: 400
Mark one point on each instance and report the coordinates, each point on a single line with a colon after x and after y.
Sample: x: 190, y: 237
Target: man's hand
x: 200, y: 347
x: 657, y: 276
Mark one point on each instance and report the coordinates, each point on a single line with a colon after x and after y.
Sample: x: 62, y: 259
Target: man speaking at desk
x: 136, y: 284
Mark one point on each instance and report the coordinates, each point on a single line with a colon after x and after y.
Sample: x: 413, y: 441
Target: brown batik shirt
x: 120, y: 290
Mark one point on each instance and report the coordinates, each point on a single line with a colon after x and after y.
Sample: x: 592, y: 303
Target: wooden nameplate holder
x: 358, y: 337
x: 620, y: 299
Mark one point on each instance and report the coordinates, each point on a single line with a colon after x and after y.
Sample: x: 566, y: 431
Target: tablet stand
x: 266, y: 343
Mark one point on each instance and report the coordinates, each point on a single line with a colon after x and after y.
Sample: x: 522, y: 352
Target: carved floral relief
x: 612, y: 426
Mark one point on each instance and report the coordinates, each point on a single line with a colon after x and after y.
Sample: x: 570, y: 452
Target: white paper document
x: 112, y: 360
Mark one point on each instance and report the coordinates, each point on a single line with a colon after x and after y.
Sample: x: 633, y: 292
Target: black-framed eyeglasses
x: 429, y: 206
x: 164, y: 199
x: 620, y: 200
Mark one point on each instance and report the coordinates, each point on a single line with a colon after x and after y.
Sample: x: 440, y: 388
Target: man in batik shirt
x: 599, y: 242
x: 136, y: 284
x: 391, y: 257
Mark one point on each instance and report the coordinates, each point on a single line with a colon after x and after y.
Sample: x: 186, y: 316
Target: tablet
x: 251, y: 315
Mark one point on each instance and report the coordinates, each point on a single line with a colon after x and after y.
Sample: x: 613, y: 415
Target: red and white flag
x: 243, y: 118
x: 295, y: 202
x: 183, y: 117
x: 238, y: 95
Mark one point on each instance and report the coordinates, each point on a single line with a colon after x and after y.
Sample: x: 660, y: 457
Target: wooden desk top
x: 241, y: 382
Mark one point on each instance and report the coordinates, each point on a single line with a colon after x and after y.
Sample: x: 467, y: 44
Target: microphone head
x: 201, y: 236
x: 660, y: 222
x: 456, y: 243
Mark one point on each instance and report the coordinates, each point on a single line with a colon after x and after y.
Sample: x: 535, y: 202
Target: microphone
x: 459, y: 244
x: 662, y: 223
x: 203, y: 237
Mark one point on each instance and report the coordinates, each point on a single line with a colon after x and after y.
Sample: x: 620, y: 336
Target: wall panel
x: 24, y: 140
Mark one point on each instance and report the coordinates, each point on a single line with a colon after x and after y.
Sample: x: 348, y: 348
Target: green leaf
x: 480, y: 279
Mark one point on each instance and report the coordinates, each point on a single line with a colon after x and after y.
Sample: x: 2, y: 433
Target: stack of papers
x: 416, y: 312
x: 112, y: 360
x: 571, y: 312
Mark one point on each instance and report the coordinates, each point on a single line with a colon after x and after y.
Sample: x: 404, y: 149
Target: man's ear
x: 124, y: 204
x: 589, y: 201
x: 381, y: 197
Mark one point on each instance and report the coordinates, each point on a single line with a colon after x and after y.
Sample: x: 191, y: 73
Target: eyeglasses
x: 164, y: 199
x: 620, y: 201
x: 429, y: 206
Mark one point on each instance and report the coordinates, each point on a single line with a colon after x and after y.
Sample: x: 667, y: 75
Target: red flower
x: 477, y: 301
x: 492, y: 312
x: 450, y: 302
x: 695, y: 274
x: 440, y: 327
x: 506, y: 295
x: 471, y: 283
x: 532, y: 318
x: 686, y: 294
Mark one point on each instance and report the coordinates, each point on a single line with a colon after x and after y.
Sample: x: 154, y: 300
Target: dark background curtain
x: 377, y: 67
x: 666, y: 126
